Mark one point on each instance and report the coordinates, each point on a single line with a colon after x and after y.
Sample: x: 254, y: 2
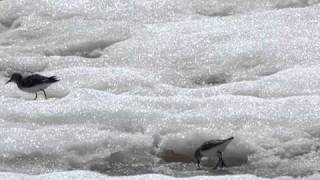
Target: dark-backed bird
x: 212, y: 148
x: 33, y: 83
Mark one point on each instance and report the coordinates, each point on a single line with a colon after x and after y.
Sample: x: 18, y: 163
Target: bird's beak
x: 8, y: 81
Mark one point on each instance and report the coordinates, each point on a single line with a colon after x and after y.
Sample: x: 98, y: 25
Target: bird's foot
x: 36, y: 96
x: 198, y: 166
x: 220, y: 165
x: 223, y: 164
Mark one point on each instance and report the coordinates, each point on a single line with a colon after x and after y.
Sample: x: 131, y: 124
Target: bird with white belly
x: 212, y: 148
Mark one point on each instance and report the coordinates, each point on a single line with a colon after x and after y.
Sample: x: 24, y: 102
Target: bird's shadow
x: 217, y: 172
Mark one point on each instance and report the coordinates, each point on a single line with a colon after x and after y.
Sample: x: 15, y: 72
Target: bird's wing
x: 210, y: 144
x: 33, y: 80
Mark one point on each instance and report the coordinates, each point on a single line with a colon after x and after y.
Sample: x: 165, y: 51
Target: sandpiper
x: 33, y: 83
x: 212, y: 148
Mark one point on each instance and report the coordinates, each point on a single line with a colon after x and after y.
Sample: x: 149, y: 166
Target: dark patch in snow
x: 11, y: 23
x: 227, y: 12
x: 268, y: 73
x: 294, y: 4
x: 211, y: 80
x: 87, y: 49
x: 129, y: 162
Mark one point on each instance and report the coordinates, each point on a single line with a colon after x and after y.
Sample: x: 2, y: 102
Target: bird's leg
x: 198, y: 164
x: 45, y: 95
x: 223, y: 164
x: 36, y: 96
x: 218, y: 163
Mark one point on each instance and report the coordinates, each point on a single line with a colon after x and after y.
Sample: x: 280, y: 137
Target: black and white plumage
x: 33, y: 83
x: 212, y: 148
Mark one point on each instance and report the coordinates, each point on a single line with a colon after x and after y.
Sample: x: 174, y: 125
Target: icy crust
x: 296, y: 81
x: 140, y: 98
x: 114, y: 10
x: 84, y: 175
x: 185, y: 54
x: 217, y: 51
x: 139, y: 11
x: 76, y: 36
x: 230, y: 7
x: 88, y: 129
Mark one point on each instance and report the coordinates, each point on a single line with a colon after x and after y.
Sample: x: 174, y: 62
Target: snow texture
x: 83, y: 175
x: 143, y: 83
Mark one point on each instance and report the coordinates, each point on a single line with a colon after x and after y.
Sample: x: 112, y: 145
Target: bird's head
x: 198, y: 156
x: 15, y: 77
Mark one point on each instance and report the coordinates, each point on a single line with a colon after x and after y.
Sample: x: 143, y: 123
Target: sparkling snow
x: 143, y: 83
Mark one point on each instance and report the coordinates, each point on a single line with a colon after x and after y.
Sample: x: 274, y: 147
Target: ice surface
x: 2, y: 28
x: 119, y: 10
x: 140, y: 11
x: 229, y: 7
x: 83, y: 175
x: 144, y: 83
x: 215, y: 51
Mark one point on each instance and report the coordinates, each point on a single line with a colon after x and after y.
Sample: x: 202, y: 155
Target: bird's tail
x: 230, y: 138
x: 53, y: 79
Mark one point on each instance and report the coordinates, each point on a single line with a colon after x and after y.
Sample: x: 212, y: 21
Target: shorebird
x: 212, y: 148
x: 33, y: 83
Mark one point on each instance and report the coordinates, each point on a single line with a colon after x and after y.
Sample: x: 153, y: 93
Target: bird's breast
x: 214, y: 150
x: 34, y: 88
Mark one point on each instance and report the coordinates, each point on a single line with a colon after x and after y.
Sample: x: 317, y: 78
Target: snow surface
x: 83, y: 175
x: 143, y: 83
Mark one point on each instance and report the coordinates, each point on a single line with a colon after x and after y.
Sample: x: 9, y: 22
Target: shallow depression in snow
x: 144, y: 83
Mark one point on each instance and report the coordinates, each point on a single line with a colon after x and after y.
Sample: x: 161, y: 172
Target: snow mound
x: 215, y: 51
